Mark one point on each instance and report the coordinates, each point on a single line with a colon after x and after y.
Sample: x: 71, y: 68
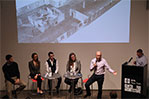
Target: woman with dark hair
x: 34, y: 67
x: 73, y: 66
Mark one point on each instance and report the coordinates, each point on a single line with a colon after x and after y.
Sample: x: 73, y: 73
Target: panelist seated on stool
x: 12, y: 76
x: 51, y: 68
x: 34, y: 67
x: 73, y: 67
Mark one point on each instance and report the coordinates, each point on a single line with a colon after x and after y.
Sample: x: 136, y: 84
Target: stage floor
x: 63, y: 95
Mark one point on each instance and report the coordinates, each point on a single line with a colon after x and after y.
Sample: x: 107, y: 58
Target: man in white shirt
x: 99, y: 65
x: 141, y: 59
x: 52, y: 67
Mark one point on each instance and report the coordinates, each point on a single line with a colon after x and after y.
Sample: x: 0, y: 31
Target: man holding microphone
x: 99, y: 65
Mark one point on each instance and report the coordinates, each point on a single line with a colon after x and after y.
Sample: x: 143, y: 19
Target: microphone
x: 96, y: 61
x: 95, y: 68
x: 130, y: 59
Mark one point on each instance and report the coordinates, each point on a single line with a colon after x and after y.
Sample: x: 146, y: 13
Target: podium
x: 134, y: 81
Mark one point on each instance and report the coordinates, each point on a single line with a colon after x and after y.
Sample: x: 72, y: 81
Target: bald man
x: 98, y: 65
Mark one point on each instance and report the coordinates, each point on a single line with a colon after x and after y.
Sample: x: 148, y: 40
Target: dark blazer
x: 78, y: 66
x: 34, y: 69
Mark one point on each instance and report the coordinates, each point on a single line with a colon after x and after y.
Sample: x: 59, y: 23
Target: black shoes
x: 40, y: 93
x: 87, y: 95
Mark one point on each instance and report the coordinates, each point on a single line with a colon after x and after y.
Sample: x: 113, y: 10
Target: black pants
x: 58, y: 83
x: 69, y: 82
x: 39, y: 82
x: 92, y: 79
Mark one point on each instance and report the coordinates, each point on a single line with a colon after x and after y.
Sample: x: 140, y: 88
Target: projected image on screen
x: 73, y: 21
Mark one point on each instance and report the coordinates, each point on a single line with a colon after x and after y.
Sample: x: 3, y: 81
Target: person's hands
x: 95, y: 65
x: 36, y: 76
x: 17, y: 81
x: 134, y: 62
x: 114, y: 73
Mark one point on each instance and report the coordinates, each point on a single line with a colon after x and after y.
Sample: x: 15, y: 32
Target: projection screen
x: 73, y: 21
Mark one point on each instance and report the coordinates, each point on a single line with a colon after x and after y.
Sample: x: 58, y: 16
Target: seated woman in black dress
x: 34, y: 67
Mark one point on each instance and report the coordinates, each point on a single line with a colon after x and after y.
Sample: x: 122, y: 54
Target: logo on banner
x: 131, y: 85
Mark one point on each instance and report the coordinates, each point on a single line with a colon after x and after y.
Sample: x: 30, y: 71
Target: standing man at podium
x: 98, y: 65
x: 141, y: 59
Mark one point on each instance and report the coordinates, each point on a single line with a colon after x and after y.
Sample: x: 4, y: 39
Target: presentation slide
x: 73, y: 21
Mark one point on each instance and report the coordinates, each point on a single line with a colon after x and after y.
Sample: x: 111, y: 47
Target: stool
x: 70, y: 94
x: 14, y: 94
x: 81, y: 83
x: 34, y: 82
x: 14, y: 91
x: 53, y: 84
